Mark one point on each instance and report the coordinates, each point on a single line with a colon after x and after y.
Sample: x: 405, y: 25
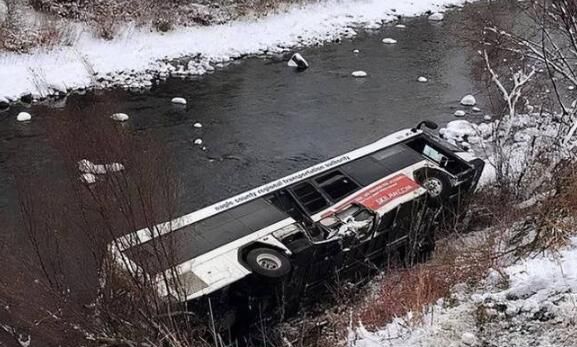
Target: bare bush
x: 76, y: 220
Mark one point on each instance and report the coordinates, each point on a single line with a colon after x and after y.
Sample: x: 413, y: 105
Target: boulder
x: 297, y: 61
x: 359, y: 74
x: 468, y: 100
x: 437, y: 16
x: 469, y: 339
x: 179, y: 101
x: 197, y: 125
x: 120, y: 117
x: 422, y: 79
x: 459, y: 113
x: 389, y: 41
x: 198, y: 142
x: 26, y: 98
x: 4, y: 103
x: 23, y: 117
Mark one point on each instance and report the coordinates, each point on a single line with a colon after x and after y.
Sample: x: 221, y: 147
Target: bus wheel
x: 268, y: 262
x: 437, y: 184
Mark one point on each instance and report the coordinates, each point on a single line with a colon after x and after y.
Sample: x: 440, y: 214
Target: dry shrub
x: 22, y: 38
x: 550, y: 219
x: 457, y: 260
x: 69, y: 224
x: 412, y: 289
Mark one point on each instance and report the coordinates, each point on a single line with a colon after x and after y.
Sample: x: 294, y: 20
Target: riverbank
x: 136, y: 58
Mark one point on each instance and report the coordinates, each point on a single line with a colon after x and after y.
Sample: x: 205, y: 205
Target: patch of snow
x: 120, y: 117
x: 297, y: 61
x: 311, y: 24
x: 460, y: 113
x: 24, y: 340
x: 88, y: 178
x: 468, y: 100
x: 389, y: 40
x: 536, y: 308
x: 179, y: 101
x: 23, y: 117
x: 88, y: 167
x: 437, y: 16
x: 469, y: 339
x: 458, y: 130
x: 422, y: 79
x: 359, y: 74
x: 197, y: 125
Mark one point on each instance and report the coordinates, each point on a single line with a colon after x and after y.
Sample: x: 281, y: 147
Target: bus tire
x: 437, y: 184
x: 268, y: 263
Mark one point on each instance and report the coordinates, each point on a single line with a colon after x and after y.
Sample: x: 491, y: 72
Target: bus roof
x: 203, y: 236
x: 144, y: 235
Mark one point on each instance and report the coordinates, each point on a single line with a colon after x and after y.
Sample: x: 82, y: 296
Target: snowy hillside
x: 530, y: 303
x: 138, y: 56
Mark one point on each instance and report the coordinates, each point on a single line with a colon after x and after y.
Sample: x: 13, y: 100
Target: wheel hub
x: 268, y: 261
x: 434, y: 186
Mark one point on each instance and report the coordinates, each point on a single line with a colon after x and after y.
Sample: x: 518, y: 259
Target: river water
x: 262, y: 120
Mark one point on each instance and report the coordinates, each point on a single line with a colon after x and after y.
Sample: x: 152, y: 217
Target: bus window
x: 443, y: 157
x: 310, y: 198
x: 336, y: 185
x: 285, y: 202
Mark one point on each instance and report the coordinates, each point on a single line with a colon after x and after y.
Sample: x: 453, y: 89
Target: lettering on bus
x: 283, y: 182
x: 380, y: 194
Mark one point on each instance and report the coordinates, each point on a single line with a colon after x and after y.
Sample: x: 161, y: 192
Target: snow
x: 459, y: 113
x: 422, y: 79
x: 530, y: 302
x: 178, y: 100
x: 468, y: 100
x: 437, y: 16
x: 23, y: 117
x: 88, y: 167
x: 389, y: 40
x: 469, y: 339
x: 146, y: 52
x: 359, y: 74
x: 197, y: 125
x: 297, y: 61
x: 88, y: 178
x: 120, y: 117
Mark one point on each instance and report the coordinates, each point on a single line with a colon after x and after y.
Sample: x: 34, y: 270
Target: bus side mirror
x: 429, y: 124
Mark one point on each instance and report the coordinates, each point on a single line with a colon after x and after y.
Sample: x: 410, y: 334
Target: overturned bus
x: 328, y: 221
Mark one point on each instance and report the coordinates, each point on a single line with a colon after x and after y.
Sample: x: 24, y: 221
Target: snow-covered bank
x: 136, y: 57
x: 530, y: 303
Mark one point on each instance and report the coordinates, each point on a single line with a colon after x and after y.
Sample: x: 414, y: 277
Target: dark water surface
x: 262, y: 120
